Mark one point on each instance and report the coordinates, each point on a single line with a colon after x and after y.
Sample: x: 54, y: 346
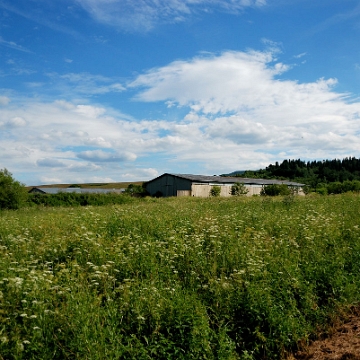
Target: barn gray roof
x: 230, y: 180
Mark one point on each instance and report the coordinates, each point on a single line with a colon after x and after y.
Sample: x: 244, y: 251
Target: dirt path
x: 342, y: 344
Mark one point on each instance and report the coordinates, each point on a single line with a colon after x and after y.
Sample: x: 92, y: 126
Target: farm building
x: 55, y: 190
x: 200, y: 185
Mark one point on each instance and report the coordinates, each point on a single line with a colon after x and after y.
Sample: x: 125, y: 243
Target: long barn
x: 200, y: 185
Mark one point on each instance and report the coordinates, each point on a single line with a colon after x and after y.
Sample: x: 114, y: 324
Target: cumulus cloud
x: 66, y: 138
x: 241, y: 113
x: 14, y: 122
x: 245, y: 83
x: 244, y: 99
x: 145, y: 14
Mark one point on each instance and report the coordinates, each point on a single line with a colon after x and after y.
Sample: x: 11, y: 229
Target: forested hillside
x: 316, y: 174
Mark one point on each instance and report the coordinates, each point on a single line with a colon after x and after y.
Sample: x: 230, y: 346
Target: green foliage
x: 306, y: 189
x: 313, y: 173
x: 275, y: 190
x: 346, y: 186
x: 76, y: 199
x: 239, y: 189
x: 134, y: 189
x: 13, y: 194
x: 215, y: 191
x: 176, y: 278
x: 322, y: 190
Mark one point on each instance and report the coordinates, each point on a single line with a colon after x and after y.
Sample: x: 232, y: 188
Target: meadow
x: 176, y: 278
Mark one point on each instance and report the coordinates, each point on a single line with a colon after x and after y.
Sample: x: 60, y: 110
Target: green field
x: 176, y: 278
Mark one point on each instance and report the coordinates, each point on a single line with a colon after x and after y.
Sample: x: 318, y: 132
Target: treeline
x: 327, y: 176
x: 85, y: 199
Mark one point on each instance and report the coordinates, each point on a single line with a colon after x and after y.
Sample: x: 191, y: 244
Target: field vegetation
x: 176, y: 278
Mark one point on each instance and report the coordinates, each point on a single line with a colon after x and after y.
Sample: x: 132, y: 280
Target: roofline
x: 217, y: 179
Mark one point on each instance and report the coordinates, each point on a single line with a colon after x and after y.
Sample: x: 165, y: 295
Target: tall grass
x: 75, y: 199
x: 178, y: 278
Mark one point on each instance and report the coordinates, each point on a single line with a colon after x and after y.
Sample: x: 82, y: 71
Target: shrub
x: 339, y: 188
x: 215, y: 191
x: 239, y: 189
x: 13, y: 194
x: 322, y: 190
x: 135, y: 190
x: 275, y: 190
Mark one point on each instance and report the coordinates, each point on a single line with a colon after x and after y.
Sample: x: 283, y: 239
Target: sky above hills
x: 125, y: 90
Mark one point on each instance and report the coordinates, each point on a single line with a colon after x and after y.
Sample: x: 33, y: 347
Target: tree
x: 135, y: 190
x: 13, y: 194
x: 239, y: 189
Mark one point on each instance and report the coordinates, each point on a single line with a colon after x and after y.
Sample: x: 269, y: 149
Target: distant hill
x: 234, y: 173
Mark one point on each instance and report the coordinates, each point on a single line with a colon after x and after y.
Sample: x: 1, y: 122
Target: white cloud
x: 299, y: 56
x: 104, y: 156
x: 4, y: 100
x: 13, y: 123
x: 242, y: 114
x: 149, y: 173
x: 13, y: 45
x: 66, y: 138
x: 85, y: 84
x: 245, y: 83
x: 145, y: 14
x: 238, y: 102
x: 49, y: 162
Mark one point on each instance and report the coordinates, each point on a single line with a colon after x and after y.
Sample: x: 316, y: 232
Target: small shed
x: 200, y: 185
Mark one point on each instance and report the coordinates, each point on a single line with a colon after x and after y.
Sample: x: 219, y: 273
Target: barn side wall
x: 203, y: 190
x: 253, y: 189
x: 168, y: 185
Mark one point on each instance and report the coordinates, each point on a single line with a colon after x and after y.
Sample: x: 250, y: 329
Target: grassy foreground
x: 178, y: 278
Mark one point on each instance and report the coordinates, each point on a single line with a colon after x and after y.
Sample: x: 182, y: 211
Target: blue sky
x: 125, y: 90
